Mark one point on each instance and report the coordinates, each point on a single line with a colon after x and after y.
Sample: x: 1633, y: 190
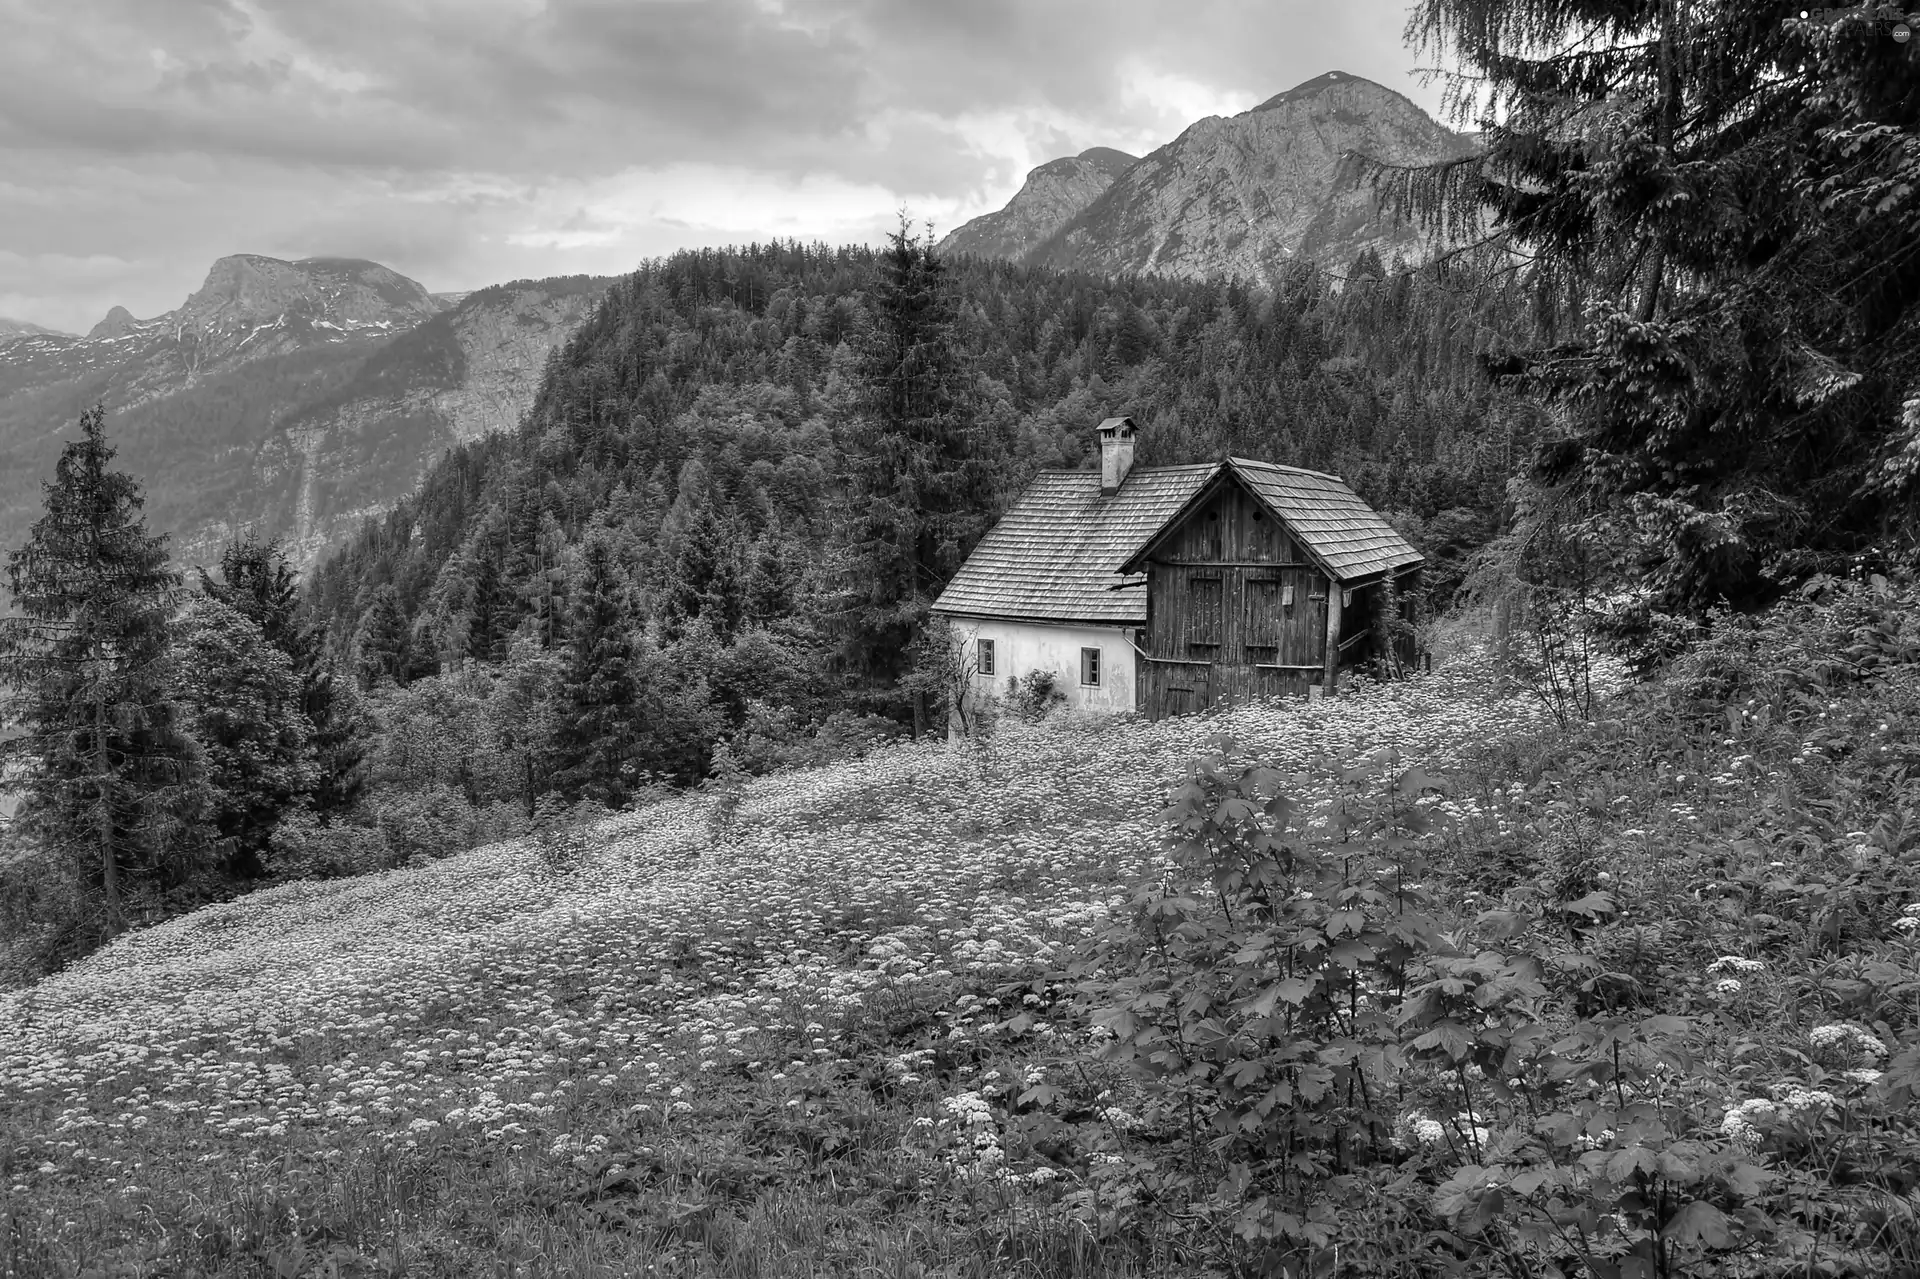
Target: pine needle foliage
x: 1717, y: 206
x: 108, y: 770
x: 921, y: 489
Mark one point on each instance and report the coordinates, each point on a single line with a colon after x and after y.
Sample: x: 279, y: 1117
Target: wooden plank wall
x: 1228, y: 597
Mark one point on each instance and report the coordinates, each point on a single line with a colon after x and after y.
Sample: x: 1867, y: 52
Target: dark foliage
x: 106, y: 763
x: 751, y: 427
x: 1718, y: 209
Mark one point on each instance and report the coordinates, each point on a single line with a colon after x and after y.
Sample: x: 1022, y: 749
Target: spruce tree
x: 383, y: 644
x: 1718, y: 206
x: 257, y: 580
x: 919, y: 479
x: 594, y: 744
x: 110, y: 773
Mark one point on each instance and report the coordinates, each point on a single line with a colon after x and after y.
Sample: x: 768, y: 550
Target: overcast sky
x: 465, y: 142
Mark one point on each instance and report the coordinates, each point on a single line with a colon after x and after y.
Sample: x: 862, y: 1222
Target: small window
x: 1090, y: 667
x: 983, y: 656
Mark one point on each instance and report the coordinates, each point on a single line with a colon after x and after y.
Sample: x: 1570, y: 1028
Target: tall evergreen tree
x: 704, y: 579
x: 919, y: 479
x: 257, y: 581
x: 594, y: 746
x: 109, y: 769
x: 1720, y: 204
x: 384, y: 643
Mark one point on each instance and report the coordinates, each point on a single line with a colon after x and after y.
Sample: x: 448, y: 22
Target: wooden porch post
x: 1333, y: 635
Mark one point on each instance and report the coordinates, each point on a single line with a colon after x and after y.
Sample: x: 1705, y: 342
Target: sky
x: 467, y: 142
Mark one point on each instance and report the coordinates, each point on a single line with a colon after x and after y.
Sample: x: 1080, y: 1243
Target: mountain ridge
x: 288, y: 397
x: 12, y: 328
x: 1051, y: 194
x: 1237, y: 195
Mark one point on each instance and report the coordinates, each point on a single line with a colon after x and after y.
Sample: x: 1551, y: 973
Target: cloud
x: 463, y: 141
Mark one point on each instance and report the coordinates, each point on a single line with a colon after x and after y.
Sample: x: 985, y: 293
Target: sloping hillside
x: 966, y: 1012
x: 1053, y: 193
x: 499, y: 1020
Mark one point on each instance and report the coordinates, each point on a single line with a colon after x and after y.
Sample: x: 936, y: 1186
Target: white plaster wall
x: 1021, y: 647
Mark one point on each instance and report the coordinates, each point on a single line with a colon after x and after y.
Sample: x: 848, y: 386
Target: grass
x: 832, y: 1038
x: 682, y: 1057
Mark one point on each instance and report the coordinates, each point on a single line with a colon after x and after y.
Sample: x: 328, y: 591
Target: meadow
x: 862, y: 1020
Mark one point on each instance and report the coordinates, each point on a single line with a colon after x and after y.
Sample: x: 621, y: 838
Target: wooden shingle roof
x: 1055, y: 555
x: 1339, y: 530
x: 1063, y: 553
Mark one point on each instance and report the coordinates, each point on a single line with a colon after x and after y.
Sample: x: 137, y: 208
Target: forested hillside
x: 701, y: 426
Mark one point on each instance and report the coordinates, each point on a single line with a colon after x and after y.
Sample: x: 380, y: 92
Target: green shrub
x: 1342, y: 1077
x: 306, y: 846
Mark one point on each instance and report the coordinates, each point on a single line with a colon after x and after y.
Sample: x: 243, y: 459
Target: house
x: 1168, y: 589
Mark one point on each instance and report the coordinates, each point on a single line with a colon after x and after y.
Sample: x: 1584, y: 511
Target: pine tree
x: 594, y: 745
x: 769, y: 589
x: 383, y: 644
x: 704, y: 580
x: 110, y: 773
x: 920, y: 483
x: 257, y: 580
x: 1720, y: 205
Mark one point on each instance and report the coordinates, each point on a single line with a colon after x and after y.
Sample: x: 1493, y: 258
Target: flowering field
x: 834, y: 1028
x: 541, y: 1025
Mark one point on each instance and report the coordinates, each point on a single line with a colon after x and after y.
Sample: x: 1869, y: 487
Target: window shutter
x: 1262, y: 629
x: 1206, y: 600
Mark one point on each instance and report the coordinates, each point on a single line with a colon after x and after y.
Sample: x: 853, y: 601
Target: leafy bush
x: 48, y: 914
x: 425, y: 825
x: 561, y: 838
x: 307, y: 846
x: 1031, y: 696
x: 772, y: 738
x: 1344, y: 1075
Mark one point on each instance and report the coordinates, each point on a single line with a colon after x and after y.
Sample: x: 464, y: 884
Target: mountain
x: 10, y: 329
x: 289, y: 397
x: 1052, y: 194
x: 1237, y: 196
x: 465, y: 373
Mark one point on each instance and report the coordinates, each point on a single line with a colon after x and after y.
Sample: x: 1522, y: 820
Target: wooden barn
x: 1168, y: 589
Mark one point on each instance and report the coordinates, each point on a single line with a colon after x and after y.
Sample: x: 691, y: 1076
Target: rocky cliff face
x: 1052, y: 194
x: 287, y: 397
x: 252, y: 306
x: 1241, y: 196
x: 461, y: 375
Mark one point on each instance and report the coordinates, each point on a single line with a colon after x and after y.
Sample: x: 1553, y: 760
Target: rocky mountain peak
x: 246, y: 290
x: 1236, y: 195
x: 117, y: 322
x: 1052, y: 193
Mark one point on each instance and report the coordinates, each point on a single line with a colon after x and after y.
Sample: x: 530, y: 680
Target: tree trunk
x: 109, y: 868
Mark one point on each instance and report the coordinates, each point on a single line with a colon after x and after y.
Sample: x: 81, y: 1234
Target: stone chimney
x: 1116, y: 453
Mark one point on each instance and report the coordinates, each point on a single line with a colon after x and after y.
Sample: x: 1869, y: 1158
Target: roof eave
x: 1023, y: 619
x: 1380, y: 574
